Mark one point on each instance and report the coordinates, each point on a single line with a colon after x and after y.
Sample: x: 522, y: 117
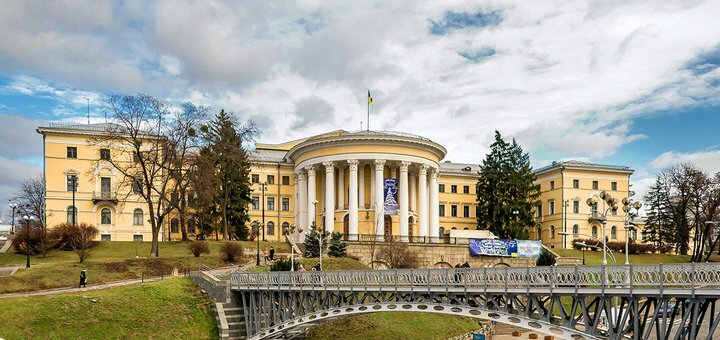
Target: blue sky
x: 630, y: 83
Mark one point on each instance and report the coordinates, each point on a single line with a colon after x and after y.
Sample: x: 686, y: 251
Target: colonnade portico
x: 416, y: 198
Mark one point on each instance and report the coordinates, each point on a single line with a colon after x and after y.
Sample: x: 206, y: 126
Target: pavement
x: 80, y: 290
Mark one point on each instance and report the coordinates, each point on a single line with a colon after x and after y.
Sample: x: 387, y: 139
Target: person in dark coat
x: 317, y: 267
x: 83, y: 278
x: 272, y: 254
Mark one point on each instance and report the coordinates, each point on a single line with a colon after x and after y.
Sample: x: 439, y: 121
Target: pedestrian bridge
x: 582, y: 302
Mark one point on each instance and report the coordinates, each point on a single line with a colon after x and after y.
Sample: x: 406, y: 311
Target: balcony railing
x: 596, y: 216
x: 370, y: 238
x: 99, y: 196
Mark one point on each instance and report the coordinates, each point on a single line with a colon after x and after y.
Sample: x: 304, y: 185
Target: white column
x: 341, y: 188
x: 434, y: 202
x: 311, y: 185
x: 372, y: 187
x: 403, y: 198
x: 353, y: 198
x: 422, y: 197
x: 413, y: 193
x: 329, y: 196
x: 379, y: 199
x: 296, y: 200
x: 302, y: 200
x: 361, y: 184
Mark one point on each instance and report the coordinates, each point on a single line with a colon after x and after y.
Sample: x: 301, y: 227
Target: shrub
x: 281, y: 265
x: 545, y: 259
x: 337, y: 246
x: 398, y: 255
x: 231, y: 250
x: 198, y: 247
x: 38, y: 242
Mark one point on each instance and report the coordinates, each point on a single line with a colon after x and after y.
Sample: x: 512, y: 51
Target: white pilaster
x: 423, y: 198
x: 379, y: 199
x: 296, y: 201
x: 434, y: 201
x: 353, y: 198
x: 341, y: 188
x: 311, y: 197
x: 361, y: 185
x: 329, y: 196
x: 403, y: 198
x: 372, y: 187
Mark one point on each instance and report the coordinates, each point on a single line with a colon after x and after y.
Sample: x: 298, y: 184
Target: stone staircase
x: 235, y: 317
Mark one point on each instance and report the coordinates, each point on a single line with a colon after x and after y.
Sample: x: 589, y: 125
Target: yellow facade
x: 565, y: 188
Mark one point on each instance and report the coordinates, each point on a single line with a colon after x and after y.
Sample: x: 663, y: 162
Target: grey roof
x: 99, y: 127
x: 459, y: 168
x: 574, y: 163
x: 370, y: 133
x: 263, y: 155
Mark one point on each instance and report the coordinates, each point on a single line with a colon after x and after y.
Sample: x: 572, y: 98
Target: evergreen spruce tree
x: 337, y: 246
x: 506, y: 185
x: 658, y: 225
x: 312, y: 244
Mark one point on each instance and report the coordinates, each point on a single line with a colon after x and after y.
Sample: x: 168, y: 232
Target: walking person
x: 265, y: 255
x: 272, y: 253
x: 83, y: 278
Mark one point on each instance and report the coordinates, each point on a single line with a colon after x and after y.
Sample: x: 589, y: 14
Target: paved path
x: 5, y: 246
x: 79, y: 290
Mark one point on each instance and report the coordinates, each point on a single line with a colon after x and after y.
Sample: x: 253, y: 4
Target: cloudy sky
x: 621, y: 82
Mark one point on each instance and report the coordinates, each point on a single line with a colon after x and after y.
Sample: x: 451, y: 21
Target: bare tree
x: 81, y: 240
x: 398, y: 255
x: 150, y: 143
x: 30, y: 199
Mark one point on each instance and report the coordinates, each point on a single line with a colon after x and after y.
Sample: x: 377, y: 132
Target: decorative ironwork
x: 590, y: 302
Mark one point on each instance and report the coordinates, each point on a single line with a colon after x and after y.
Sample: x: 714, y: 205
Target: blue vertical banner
x: 391, y: 191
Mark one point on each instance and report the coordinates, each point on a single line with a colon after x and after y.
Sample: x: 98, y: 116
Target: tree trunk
x: 182, y: 227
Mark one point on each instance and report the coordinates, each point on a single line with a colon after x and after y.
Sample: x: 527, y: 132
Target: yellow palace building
x: 336, y: 180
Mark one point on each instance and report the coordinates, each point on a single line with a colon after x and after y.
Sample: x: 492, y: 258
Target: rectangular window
x: 576, y: 207
x: 255, y: 178
x: 105, y: 237
x: 453, y: 189
x: 441, y: 187
x: 466, y: 211
x: 453, y: 210
x: 576, y: 183
x: 538, y: 211
x: 466, y: 189
x: 137, y: 238
x: 105, y: 186
x: 105, y: 154
x: 174, y: 198
x: 286, y: 204
x: 72, y: 183
x: 613, y: 186
x: 552, y: 185
x: 71, y: 152
x: 136, y: 159
x: 255, y: 203
x: 552, y: 207
x: 595, y: 185
x: 270, y: 179
x: 137, y: 186
x: 271, y: 203
x: 441, y: 210
x: 285, y: 180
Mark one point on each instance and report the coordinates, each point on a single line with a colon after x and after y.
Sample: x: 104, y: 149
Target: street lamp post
x: 585, y: 245
x: 629, y: 216
x: 605, y: 247
x: 13, y: 206
x: 256, y: 228
x: 609, y: 203
x: 27, y: 239
x: 74, y: 209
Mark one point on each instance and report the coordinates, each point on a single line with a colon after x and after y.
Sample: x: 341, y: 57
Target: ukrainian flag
x: 370, y: 101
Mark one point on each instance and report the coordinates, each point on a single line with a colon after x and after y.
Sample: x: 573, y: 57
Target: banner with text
x: 391, y: 192
x: 506, y: 248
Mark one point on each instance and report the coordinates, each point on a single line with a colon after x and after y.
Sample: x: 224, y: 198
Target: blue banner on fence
x: 507, y: 248
x: 391, y: 192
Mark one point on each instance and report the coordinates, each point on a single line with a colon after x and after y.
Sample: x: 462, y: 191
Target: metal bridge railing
x: 694, y: 276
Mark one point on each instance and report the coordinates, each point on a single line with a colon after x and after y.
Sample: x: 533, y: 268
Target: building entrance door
x: 105, y: 186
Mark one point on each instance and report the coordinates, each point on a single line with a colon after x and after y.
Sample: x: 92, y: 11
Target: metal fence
x: 695, y: 276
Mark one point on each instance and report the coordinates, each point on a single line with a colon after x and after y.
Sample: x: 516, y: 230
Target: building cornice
x: 380, y: 140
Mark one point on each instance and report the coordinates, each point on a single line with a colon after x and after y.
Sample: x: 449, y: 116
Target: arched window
x: 594, y: 231
x: 285, y: 228
x: 552, y: 231
x: 613, y: 232
x: 539, y: 233
x: 576, y: 230
x: 466, y: 228
x: 138, y: 217
x: 174, y: 225
x: 105, y: 216
x: 72, y: 215
x: 441, y: 232
x: 191, y: 227
x: 271, y: 228
x: 633, y: 235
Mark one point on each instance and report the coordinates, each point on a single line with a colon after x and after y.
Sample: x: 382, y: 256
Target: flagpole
x: 368, y: 104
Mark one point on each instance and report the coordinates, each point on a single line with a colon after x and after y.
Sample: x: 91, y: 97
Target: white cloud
x: 708, y: 161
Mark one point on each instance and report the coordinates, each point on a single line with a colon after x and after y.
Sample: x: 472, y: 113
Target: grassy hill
x: 169, y: 309
x: 595, y: 257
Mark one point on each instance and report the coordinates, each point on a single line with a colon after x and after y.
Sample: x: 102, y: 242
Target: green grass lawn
x: 395, y: 325
x: 330, y: 263
x: 169, y: 309
x: 110, y: 261
x: 595, y: 257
